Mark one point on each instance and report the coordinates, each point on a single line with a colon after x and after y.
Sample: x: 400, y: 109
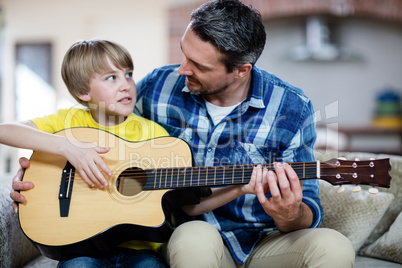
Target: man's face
x: 206, y: 74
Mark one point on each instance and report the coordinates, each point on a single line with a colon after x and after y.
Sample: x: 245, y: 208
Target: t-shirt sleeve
x: 51, y: 123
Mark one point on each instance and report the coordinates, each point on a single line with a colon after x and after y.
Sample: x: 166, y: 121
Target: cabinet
x: 372, y: 139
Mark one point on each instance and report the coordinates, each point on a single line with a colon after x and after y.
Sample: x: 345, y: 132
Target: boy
x: 98, y: 74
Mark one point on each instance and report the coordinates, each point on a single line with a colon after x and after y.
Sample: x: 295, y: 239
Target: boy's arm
x: 83, y: 156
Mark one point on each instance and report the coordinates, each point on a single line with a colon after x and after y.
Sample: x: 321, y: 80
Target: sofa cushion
x: 395, y: 208
x: 389, y: 245
x: 353, y: 214
x: 367, y: 262
x: 396, y: 186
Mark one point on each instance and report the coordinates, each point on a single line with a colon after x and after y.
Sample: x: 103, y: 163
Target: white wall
x: 348, y: 88
x: 353, y: 84
x: 140, y: 26
x: 135, y: 24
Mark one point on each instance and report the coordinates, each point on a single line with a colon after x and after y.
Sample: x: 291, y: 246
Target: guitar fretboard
x: 171, y: 178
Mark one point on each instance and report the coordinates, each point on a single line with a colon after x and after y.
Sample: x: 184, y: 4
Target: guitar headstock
x: 370, y: 172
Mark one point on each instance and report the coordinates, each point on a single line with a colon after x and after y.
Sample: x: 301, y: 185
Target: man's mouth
x: 192, y: 80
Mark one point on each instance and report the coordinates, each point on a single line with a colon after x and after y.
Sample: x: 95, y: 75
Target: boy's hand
x: 85, y: 158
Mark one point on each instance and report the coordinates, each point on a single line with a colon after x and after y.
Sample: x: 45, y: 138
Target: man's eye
x: 201, y: 68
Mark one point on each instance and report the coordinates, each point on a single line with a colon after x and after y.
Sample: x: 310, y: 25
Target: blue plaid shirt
x: 275, y: 123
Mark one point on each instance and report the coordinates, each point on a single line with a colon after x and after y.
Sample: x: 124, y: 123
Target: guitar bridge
x: 66, y: 188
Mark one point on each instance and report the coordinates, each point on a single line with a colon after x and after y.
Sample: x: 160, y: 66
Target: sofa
x: 373, y: 223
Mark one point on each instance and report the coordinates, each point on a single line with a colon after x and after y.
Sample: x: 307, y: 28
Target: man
x: 233, y: 113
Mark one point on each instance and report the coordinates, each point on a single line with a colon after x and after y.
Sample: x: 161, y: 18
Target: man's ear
x: 243, y: 70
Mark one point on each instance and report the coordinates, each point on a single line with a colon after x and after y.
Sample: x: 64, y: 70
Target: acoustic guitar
x: 65, y: 218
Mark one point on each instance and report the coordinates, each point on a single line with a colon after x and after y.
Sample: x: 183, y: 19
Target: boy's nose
x: 126, y: 86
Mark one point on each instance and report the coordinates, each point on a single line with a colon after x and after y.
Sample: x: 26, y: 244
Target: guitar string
x: 202, y: 182
x: 135, y: 169
x: 218, y: 170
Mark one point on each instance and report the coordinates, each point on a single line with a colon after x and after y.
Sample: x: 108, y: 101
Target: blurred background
x: 346, y: 55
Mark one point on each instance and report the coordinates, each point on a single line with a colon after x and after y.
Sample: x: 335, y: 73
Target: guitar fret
x: 166, y: 172
x: 160, y: 179
x: 156, y: 172
x: 233, y: 172
x: 191, y: 178
x: 223, y: 175
x: 214, y: 175
x: 206, y: 175
x: 178, y: 178
x: 160, y: 176
x: 184, y: 177
x: 198, y: 184
x: 171, y: 177
x: 242, y: 177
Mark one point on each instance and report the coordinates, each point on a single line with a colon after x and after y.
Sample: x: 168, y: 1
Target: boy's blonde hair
x: 86, y: 58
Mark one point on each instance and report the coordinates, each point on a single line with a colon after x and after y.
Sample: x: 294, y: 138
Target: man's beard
x: 201, y: 91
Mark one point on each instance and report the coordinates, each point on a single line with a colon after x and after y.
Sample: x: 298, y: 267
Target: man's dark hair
x: 234, y: 28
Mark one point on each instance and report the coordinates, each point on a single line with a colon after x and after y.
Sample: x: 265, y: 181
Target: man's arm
x: 285, y: 205
x: 295, y: 204
x: 223, y: 195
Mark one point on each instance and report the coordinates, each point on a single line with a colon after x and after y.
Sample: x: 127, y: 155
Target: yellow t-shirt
x: 134, y: 128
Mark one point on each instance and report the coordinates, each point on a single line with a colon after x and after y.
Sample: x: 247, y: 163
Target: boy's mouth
x: 125, y: 100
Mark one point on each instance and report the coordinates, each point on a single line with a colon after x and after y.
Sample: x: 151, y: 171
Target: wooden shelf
x: 375, y: 139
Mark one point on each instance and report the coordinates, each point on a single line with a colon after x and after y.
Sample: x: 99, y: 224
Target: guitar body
x: 66, y: 218
x: 97, y: 218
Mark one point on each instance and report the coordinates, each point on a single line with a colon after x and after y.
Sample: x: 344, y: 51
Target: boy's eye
x: 112, y: 77
x: 129, y: 75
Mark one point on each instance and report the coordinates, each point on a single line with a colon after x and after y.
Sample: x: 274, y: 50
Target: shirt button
x: 209, y: 149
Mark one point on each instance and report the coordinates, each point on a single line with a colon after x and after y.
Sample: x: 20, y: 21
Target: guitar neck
x: 171, y: 178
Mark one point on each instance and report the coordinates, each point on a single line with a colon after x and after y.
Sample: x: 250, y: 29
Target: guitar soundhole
x: 131, y: 181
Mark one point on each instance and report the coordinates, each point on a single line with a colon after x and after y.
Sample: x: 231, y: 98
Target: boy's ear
x: 84, y: 97
x: 244, y: 70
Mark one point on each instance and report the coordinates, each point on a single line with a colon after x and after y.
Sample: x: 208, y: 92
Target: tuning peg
x: 373, y: 190
x: 357, y: 159
x: 357, y: 189
x: 342, y: 158
x: 372, y: 158
x: 341, y: 189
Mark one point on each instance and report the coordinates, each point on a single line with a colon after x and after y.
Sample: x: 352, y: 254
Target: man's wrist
x: 302, y: 220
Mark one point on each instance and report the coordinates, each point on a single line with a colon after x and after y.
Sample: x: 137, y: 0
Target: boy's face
x: 111, y: 94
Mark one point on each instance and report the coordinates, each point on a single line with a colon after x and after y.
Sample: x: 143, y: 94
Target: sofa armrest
x: 15, y: 249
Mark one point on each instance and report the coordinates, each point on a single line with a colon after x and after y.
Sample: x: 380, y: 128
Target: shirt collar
x: 256, y: 98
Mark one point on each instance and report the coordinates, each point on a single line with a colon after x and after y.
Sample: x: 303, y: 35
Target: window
x: 35, y: 96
